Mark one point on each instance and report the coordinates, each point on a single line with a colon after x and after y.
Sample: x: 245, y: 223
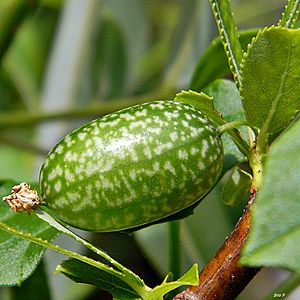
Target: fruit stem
x: 230, y: 128
x: 174, y: 249
x: 231, y: 125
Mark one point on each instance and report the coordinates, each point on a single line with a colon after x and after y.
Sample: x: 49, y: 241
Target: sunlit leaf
x: 270, y: 79
x: 229, y: 36
x: 202, y: 102
x: 191, y: 277
x: 290, y: 14
x: 274, y: 238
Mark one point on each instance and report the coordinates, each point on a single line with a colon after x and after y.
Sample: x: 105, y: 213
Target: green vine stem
x: 239, y: 141
x: 142, y: 291
x: 231, y: 125
x: 21, y: 119
x: 175, y: 249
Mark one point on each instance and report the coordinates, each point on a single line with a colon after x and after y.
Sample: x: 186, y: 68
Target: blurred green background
x: 66, y: 62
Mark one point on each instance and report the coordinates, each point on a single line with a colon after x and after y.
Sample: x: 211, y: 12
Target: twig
x: 223, y: 278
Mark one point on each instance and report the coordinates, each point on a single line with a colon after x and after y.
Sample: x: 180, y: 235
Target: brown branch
x: 223, y: 278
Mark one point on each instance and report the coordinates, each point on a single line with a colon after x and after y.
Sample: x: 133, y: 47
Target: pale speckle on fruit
x: 132, y: 167
x: 168, y: 167
x: 183, y: 154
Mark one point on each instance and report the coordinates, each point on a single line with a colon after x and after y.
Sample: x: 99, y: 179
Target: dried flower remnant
x: 22, y: 198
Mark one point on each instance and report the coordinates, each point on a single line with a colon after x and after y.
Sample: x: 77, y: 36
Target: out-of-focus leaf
x: 25, y: 62
x: 12, y: 14
x: 9, y: 97
x: 83, y: 273
x: 34, y: 288
x: 229, y: 36
x: 130, y: 15
x: 274, y: 238
x: 109, y: 61
x: 213, y: 64
x: 190, y: 38
x: 236, y: 188
x: 270, y: 79
x: 19, y: 257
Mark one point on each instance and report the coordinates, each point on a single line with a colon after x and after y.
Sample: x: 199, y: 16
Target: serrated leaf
x: 213, y: 64
x: 290, y: 15
x: 226, y: 98
x: 229, y: 36
x: 270, y: 79
x: 202, y: 102
x: 84, y: 273
x: 227, y: 101
x: 274, y: 238
x: 191, y: 277
x: 34, y: 288
x: 19, y: 257
x: 236, y: 187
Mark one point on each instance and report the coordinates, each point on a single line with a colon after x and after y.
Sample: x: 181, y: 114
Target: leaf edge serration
x: 234, y: 64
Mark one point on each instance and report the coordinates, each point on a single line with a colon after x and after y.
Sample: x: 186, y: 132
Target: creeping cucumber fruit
x: 132, y: 167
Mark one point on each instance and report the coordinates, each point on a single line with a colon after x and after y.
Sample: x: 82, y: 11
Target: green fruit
x: 132, y: 167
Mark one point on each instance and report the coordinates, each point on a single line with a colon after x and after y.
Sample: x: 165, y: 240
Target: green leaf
x: 274, y: 238
x: 190, y: 37
x: 19, y: 257
x: 109, y: 61
x: 270, y: 79
x: 202, y: 102
x: 226, y: 99
x: 34, y: 288
x: 84, y: 273
x: 226, y: 95
x: 236, y: 187
x: 131, y: 16
x: 191, y: 277
x: 229, y: 36
x: 290, y: 15
x: 213, y: 64
x: 13, y: 13
x: 27, y: 57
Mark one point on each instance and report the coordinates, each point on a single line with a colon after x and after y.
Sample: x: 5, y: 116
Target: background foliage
x: 69, y: 61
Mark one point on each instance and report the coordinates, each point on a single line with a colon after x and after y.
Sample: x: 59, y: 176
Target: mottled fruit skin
x: 132, y: 167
